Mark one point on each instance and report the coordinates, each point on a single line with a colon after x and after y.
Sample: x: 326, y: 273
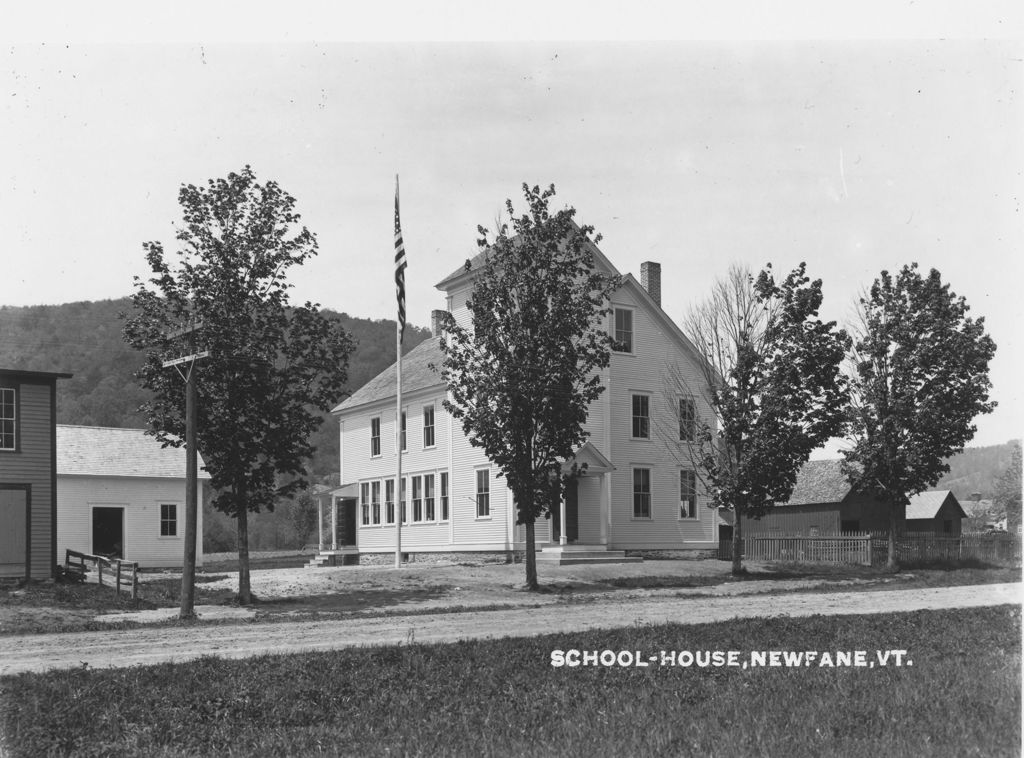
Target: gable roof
x: 819, y: 482
x: 926, y: 505
x: 104, y: 451
x: 417, y: 374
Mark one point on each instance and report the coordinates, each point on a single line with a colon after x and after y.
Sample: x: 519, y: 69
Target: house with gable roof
x: 935, y: 512
x: 638, y: 491
x: 122, y: 494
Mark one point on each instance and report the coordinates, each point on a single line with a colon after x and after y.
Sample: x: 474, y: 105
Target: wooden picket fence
x: 112, y: 571
x: 868, y: 549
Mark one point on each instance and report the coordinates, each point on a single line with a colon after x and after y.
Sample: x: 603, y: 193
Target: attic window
x: 623, y: 330
x: 8, y: 419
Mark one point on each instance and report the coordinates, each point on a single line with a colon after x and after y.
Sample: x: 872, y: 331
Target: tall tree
x: 920, y: 378
x: 521, y: 379
x: 770, y: 376
x: 271, y: 367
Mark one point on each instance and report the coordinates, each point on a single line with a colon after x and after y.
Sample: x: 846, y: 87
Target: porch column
x: 320, y: 523
x: 334, y: 523
x: 561, y: 521
x: 606, y: 505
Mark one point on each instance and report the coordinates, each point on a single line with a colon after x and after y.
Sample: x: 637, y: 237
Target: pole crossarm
x: 186, y: 359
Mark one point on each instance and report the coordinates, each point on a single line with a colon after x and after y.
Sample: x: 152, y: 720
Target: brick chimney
x: 650, y: 279
x: 436, y: 319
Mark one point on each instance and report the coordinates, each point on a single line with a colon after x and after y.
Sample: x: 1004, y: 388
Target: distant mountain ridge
x: 84, y: 338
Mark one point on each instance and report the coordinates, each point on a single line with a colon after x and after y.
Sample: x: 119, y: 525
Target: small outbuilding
x: 936, y: 512
x: 122, y: 495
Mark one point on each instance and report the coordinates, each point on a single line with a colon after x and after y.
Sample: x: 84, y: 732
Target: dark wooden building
x: 937, y: 512
x: 28, y: 473
x: 823, y: 502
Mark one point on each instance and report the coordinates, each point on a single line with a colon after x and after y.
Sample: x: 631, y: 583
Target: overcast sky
x: 854, y: 155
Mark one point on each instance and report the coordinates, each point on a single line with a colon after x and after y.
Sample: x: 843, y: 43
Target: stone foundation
x: 475, y: 558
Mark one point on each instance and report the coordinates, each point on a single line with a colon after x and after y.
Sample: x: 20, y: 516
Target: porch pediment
x: 595, y: 462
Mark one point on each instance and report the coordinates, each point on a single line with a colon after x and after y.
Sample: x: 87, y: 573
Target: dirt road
x: 130, y: 647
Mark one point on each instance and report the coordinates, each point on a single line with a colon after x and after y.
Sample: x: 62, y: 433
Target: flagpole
x: 399, y: 329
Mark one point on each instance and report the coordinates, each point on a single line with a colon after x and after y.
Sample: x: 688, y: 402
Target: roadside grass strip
x: 956, y: 691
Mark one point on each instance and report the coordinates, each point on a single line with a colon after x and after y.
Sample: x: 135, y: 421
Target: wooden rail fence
x: 118, y: 572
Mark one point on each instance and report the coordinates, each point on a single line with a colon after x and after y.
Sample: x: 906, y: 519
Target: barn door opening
x: 108, y: 532
x: 14, y: 518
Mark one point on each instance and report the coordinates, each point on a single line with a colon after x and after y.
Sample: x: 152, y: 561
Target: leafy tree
x: 771, y: 378
x: 920, y: 378
x: 272, y: 368
x: 302, y: 517
x: 521, y: 379
x: 1008, y: 491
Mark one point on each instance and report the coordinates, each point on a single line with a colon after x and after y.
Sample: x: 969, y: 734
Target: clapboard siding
x: 32, y: 464
x: 141, y: 499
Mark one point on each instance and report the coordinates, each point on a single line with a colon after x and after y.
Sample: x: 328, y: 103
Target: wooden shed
x: 823, y: 502
x: 937, y: 512
x: 28, y: 473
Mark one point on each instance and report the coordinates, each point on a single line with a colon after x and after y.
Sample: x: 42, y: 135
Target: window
x: 428, y: 426
x: 444, y: 495
x: 364, y: 501
x: 389, y: 501
x: 687, y: 494
x: 168, y: 520
x: 404, y: 498
x: 403, y: 432
x: 641, y: 493
x: 428, y: 498
x: 375, y: 501
x: 483, y: 493
x: 417, y: 498
x: 641, y: 417
x: 623, y: 330
x: 375, y: 436
x: 8, y: 419
x: 687, y: 420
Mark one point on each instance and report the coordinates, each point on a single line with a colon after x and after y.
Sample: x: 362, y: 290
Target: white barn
x: 639, y: 491
x: 121, y: 494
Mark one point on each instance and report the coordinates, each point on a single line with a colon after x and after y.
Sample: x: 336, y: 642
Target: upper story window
x: 428, y: 426
x: 375, y: 436
x: 483, y: 493
x: 641, y: 493
x: 624, y: 330
x: 687, y: 494
x: 687, y: 420
x: 8, y: 419
x: 641, y: 417
x: 168, y: 520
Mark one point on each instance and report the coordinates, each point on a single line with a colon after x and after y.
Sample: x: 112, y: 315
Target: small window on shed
x: 168, y: 520
x: 8, y: 419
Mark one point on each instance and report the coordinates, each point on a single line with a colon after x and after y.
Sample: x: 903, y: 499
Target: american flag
x: 399, y: 267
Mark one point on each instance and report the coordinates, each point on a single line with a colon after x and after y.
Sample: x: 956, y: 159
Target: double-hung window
x: 444, y: 495
x: 403, y: 498
x: 623, y: 330
x: 403, y: 432
x: 428, y: 426
x: 483, y: 493
x: 417, y: 498
x: 168, y: 520
x: 641, y: 493
x: 8, y: 419
x: 375, y: 501
x: 428, y: 498
x: 687, y: 494
x: 375, y: 436
x: 641, y: 417
x: 364, y: 502
x: 389, y: 501
x: 687, y: 420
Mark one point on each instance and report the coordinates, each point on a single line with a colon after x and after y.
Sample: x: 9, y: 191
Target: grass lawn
x: 961, y: 696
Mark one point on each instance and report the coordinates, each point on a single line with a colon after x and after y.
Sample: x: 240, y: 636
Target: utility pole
x: 188, y: 569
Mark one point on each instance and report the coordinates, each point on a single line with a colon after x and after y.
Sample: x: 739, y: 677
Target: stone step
x: 570, y: 557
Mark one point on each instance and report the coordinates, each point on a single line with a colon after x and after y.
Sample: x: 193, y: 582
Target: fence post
x: 135, y: 581
x: 117, y: 581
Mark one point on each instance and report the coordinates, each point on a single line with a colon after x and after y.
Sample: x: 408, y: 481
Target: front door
x: 346, y: 522
x: 108, y: 532
x: 14, y: 533
x: 572, y: 509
